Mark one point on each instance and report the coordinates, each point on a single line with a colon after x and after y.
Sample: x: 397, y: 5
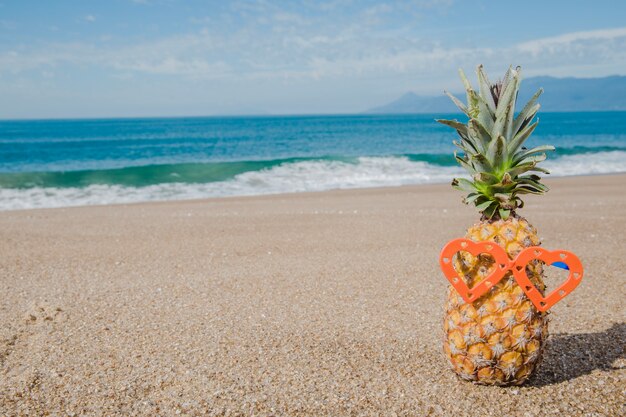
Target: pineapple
x: 499, y: 338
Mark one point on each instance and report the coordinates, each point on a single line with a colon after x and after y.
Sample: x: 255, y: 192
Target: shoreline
x: 318, y: 303
x: 296, y: 193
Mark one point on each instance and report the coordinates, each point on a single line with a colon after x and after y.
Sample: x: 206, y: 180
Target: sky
x: 136, y: 58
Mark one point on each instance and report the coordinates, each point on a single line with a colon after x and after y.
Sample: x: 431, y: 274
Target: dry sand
x: 310, y: 304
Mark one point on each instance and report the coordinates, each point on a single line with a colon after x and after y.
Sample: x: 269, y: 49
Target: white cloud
x: 90, y: 18
x: 174, y: 66
x: 538, y: 46
x: 309, y: 56
x: 303, y: 47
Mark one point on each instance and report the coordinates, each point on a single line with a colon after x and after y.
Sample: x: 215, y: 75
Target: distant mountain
x: 560, y: 94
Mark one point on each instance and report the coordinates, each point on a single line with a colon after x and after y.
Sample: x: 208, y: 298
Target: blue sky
x: 167, y: 57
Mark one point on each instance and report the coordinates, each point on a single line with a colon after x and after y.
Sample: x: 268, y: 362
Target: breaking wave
x: 193, y: 181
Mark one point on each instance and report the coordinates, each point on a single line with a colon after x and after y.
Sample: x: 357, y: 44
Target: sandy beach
x: 304, y: 304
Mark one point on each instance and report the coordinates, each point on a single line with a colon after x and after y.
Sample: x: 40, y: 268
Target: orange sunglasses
x: 559, y: 258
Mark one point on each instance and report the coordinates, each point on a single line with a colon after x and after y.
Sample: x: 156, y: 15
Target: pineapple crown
x: 491, y: 144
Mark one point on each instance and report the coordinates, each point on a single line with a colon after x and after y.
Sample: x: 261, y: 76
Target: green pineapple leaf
x: 491, y: 144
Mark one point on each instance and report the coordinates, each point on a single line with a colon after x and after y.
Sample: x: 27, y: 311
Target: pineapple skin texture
x: 498, y: 339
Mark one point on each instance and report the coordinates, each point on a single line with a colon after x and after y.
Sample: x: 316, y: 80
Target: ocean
x: 57, y: 163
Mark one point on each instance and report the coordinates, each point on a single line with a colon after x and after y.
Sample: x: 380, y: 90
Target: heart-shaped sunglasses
x: 559, y: 258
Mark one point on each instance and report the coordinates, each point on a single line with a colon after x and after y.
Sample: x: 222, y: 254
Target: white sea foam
x: 290, y: 177
x: 588, y: 164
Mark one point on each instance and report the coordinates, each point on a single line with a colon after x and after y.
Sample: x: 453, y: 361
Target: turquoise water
x: 46, y: 163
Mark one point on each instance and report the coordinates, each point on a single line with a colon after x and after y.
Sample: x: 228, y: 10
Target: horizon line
x: 269, y: 115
